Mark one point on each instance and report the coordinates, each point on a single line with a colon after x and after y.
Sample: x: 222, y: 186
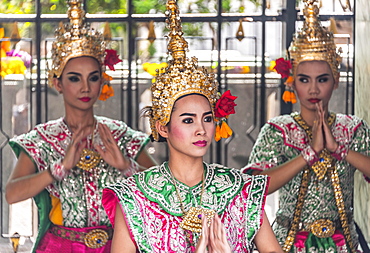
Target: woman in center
x: 185, y: 204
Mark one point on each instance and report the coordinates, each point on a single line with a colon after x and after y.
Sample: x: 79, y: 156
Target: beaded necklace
x: 89, y: 158
x: 192, y: 219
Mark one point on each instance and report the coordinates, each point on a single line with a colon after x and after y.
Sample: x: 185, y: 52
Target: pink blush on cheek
x: 178, y: 133
x: 213, y: 129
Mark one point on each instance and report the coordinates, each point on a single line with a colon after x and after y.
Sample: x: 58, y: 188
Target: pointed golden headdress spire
x: 313, y: 41
x: 181, y: 77
x: 75, y: 39
x: 177, y: 44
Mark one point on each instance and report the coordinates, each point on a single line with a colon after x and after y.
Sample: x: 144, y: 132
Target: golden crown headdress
x: 313, y: 41
x: 181, y: 77
x: 75, y: 39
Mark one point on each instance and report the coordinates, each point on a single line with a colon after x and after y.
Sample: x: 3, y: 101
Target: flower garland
x: 154, y: 68
x: 284, y: 68
x: 15, y: 61
x: 225, y: 106
x: 111, y: 59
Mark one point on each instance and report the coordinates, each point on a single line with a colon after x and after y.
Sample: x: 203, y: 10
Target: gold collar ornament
x: 89, y: 158
x: 314, y: 42
x: 181, y: 77
x: 192, y: 219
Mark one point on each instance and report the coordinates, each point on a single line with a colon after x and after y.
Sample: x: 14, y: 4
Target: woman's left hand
x: 330, y: 143
x: 213, y: 237
x: 217, y: 237
x: 203, y: 240
x: 111, y: 154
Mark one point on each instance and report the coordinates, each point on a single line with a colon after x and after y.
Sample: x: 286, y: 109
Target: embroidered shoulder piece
x: 343, y: 128
x: 221, y: 185
x: 292, y: 134
x: 130, y: 199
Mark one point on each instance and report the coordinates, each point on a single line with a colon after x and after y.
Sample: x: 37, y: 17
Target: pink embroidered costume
x: 75, y: 201
x: 153, y: 212
x: 64, y: 164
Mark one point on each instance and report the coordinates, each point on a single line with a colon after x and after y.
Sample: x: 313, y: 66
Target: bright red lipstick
x: 85, y: 99
x: 314, y: 100
x: 200, y: 143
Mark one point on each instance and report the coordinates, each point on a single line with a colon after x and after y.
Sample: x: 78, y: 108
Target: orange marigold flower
x: 289, y: 96
x: 223, y: 131
x: 106, y: 77
x: 106, y: 92
x: 217, y: 133
x: 289, y: 82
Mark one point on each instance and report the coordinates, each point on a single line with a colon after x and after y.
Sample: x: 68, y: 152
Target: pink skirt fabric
x: 51, y: 243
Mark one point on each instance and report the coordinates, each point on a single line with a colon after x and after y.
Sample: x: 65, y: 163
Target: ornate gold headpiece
x: 181, y: 76
x: 75, y: 39
x: 314, y: 42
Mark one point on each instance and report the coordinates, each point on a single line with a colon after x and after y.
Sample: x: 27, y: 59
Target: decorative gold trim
x: 192, y: 218
x: 303, y: 188
x: 341, y: 208
x: 321, y: 166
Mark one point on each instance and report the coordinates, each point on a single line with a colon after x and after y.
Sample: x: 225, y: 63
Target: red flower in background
x: 111, y: 58
x: 225, y: 105
x: 283, y: 67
